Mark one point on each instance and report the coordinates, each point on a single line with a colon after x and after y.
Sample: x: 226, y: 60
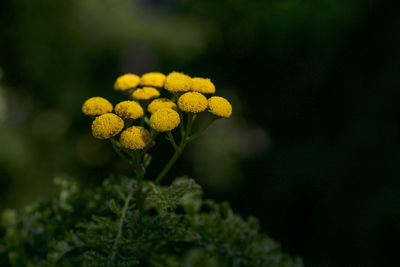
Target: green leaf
x: 176, y: 227
x: 114, y: 208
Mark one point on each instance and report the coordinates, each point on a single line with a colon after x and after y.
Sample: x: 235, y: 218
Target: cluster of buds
x: 157, y: 104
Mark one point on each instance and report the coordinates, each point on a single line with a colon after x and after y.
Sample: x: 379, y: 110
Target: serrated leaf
x: 176, y: 227
x: 114, y: 208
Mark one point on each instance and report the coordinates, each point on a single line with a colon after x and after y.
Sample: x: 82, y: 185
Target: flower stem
x: 146, y: 120
x: 170, y: 163
x: 115, y: 144
x: 153, y: 137
x: 191, y: 118
x: 139, y: 178
x: 120, y: 226
x: 199, y: 132
x: 181, y: 126
x: 172, y: 140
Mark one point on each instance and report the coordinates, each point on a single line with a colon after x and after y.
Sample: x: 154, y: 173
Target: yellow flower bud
x: 203, y: 85
x: 126, y: 81
x: 96, y: 106
x: 160, y: 103
x: 146, y: 93
x: 192, y: 102
x: 106, y: 126
x: 219, y: 106
x: 135, y: 137
x: 178, y: 82
x: 155, y: 79
x: 164, y: 120
x: 129, y: 110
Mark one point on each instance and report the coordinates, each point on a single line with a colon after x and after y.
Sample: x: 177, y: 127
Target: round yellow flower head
x: 164, y: 120
x: 203, y: 85
x: 96, y: 106
x: 192, y: 102
x: 135, y: 137
x: 106, y: 126
x: 160, y: 103
x: 219, y: 106
x: 129, y: 110
x: 155, y: 79
x: 178, y: 82
x: 126, y: 82
x: 146, y: 93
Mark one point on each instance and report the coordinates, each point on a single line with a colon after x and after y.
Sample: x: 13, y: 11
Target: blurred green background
x: 312, y: 148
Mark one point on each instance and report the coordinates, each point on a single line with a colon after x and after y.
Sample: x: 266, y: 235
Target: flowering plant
x: 184, y: 101
x: 167, y: 114
x: 135, y: 221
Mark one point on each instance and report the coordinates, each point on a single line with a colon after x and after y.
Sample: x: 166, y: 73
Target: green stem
x: 139, y: 169
x: 120, y: 226
x: 170, y: 163
x: 146, y: 120
x: 199, y: 132
x: 172, y: 140
x: 179, y: 149
x: 181, y: 125
x: 191, y: 118
x: 153, y: 137
x: 117, y: 147
x: 139, y: 178
x: 126, y: 150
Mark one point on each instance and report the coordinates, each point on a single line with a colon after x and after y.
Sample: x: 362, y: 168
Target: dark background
x: 312, y: 148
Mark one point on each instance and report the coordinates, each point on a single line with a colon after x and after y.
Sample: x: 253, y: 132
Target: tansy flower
x: 135, y: 137
x: 164, y: 120
x: 219, y: 106
x: 203, y: 85
x: 178, y: 82
x: 146, y: 93
x: 126, y: 82
x: 192, y: 102
x: 128, y: 110
x: 155, y: 79
x: 106, y: 126
x: 96, y: 106
x: 159, y: 103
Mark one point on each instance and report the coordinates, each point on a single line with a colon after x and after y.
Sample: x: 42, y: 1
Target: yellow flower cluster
x: 96, y: 106
x: 159, y: 103
x: 106, y: 126
x: 126, y: 81
x: 146, y: 93
x: 193, y: 102
x: 164, y: 120
x: 182, y: 94
x: 219, y: 106
x: 178, y: 82
x: 155, y: 79
x: 129, y: 110
x: 203, y: 85
x: 135, y: 137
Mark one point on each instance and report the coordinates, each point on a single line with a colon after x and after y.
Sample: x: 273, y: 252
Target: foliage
x: 128, y: 222
x: 175, y: 228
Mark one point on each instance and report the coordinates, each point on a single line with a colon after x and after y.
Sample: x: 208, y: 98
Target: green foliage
x: 162, y: 226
